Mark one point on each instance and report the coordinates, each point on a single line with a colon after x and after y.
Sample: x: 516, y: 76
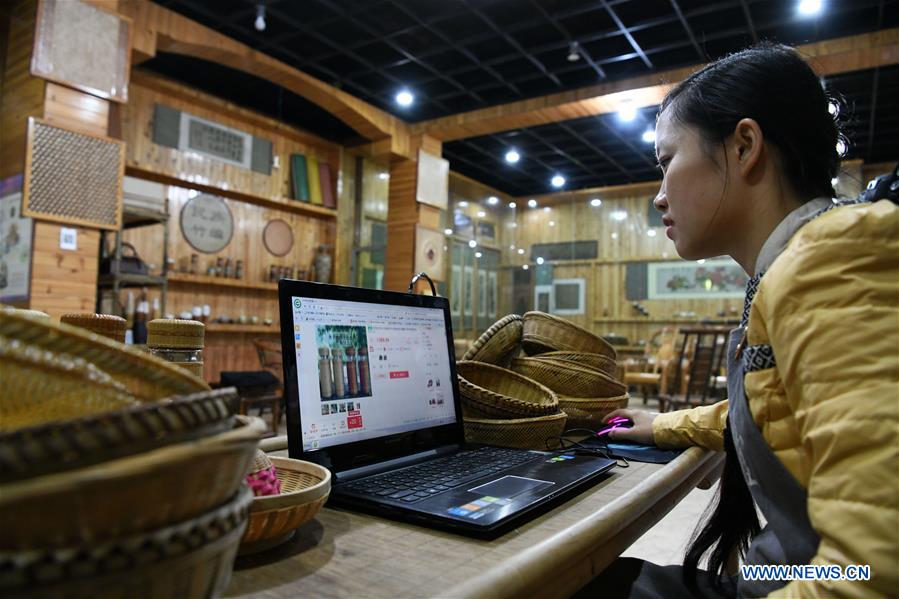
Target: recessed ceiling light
x: 627, y: 111
x: 463, y: 204
x: 405, y: 98
x: 573, y: 54
x: 512, y: 247
x: 614, y: 235
x: 539, y: 260
x: 552, y: 223
x: 810, y: 7
x: 547, y: 209
x: 472, y: 244
x: 834, y: 181
x: 841, y: 148
x: 520, y: 250
x: 524, y: 267
x: 558, y: 181
x: 448, y: 231
x: 512, y: 204
x: 700, y: 261
x: 383, y: 176
x: 512, y: 156
x: 493, y: 200
x: 259, y: 23
x: 532, y: 203
x: 618, y: 215
x: 478, y: 254
x: 833, y: 108
x: 595, y: 202
x: 651, y: 232
x: 649, y: 136
x: 481, y: 214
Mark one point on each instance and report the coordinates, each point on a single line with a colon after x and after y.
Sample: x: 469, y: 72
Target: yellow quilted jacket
x: 829, y: 409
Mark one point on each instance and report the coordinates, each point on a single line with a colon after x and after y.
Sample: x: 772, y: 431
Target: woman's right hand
x: 641, y: 432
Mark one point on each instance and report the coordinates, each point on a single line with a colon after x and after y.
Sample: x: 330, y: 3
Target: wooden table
x: 346, y: 554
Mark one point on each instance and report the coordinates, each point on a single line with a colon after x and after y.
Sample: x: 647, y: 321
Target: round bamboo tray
x: 498, y: 343
x: 588, y: 412
x: 502, y: 393
x: 542, y: 332
x: 569, y: 378
x: 595, y: 361
x: 522, y: 433
x: 129, y: 495
x: 192, y: 558
x: 52, y: 371
x: 274, y: 518
x: 79, y: 442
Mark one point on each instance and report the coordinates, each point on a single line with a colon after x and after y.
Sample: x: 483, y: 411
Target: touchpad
x: 510, y: 486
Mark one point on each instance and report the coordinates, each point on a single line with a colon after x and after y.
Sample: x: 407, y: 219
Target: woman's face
x: 696, y: 212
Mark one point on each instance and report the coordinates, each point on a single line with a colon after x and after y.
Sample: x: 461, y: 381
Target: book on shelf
x: 315, y: 188
x: 329, y: 199
x: 298, y: 173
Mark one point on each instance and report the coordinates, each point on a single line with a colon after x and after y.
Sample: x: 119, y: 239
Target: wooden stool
x: 272, y: 400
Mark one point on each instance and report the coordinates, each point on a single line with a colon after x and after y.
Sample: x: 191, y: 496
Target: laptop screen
x: 368, y: 370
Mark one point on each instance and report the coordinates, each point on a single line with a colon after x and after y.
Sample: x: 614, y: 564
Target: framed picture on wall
x: 456, y: 291
x: 429, y: 252
x: 433, y: 180
x: 15, y: 243
x: 492, y: 293
x: 486, y: 231
x: 482, y: 293
x: 718, y: 278
x: 468, y: 293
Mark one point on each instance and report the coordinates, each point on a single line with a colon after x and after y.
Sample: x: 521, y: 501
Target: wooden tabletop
x: 346, y: 554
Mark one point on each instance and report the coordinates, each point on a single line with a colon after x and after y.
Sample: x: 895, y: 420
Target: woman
x: 747, y: 152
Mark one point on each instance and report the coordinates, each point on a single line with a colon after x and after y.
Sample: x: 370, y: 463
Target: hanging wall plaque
x: 277, y: 237
x: 206, y: 223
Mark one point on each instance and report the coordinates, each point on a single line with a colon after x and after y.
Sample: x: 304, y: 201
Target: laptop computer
x: 371, y: 393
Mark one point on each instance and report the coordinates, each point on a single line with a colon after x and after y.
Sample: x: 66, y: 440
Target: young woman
x: 747, y: 149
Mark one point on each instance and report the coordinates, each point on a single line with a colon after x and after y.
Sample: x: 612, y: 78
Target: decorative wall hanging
x: 206, y: 223
x: 433, y: 180
x: 277, y: 237
x: 692, y: 280
x: 83, y: 46
x: 429, y: 252
x: 72, y: 177
x: 15, y: 243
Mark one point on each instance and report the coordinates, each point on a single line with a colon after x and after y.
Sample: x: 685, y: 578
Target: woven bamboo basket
x: 498, y: 343
x: 595, y: 361
x: 501, y: 393
x: 192, y: 558
x: 53, y: 371
x: 79, y: 442
x: 129, y: 495
x: 274, y: 518
x: 543, y: 332
x: 569, y: 378
x: 588, y: 412
x: 522, y: 433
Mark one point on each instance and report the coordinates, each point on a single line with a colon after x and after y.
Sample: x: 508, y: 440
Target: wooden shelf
x: 180, y: 277
x: 130, y: 280
x: 215, y: 327
x: 285, y: 204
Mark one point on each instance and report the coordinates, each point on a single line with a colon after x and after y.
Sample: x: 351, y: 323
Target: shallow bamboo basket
x: 128, y: 495
x: 542, y: 332
x: 588, y: 412
x: 498, y: 343
x: 569, y: 378
x: 596, y: 361
x: 498, y: 392
x: 274, y: 518
x: 191, y: 558
x: 538, y: 432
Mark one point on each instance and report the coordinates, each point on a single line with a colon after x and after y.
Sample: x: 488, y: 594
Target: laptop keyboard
x: 423, y: 480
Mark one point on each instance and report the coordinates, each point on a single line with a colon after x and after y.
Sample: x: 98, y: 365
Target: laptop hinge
x: 394, y: 464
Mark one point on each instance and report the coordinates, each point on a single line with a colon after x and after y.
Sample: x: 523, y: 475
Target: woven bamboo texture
x: 304, y: 489
x: 54, y: 371
x: 129, y: 495
x: 595, y: 361
x: 79, y: 442
x: 569, y: 378
x: 543, y: 332
x: 492, y: 390
x: 498, y: 343
x: 192, y: 558
x: 588, y: 412
x: 522, y: 433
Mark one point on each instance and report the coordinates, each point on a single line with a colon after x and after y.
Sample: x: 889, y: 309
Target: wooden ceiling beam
x: 853, y: 53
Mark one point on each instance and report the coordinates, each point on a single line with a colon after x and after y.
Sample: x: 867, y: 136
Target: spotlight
x: 618, y: 215
x: 478, y: 254
x: 558, y: 181
x: 596, y: 202
x: 512, y: 204
x: 834, y: 181
x: 521, y: 250
x: 472, y: 244
x: 649, y: 136
x: 841, y: 148
x: 447, y: 231
x: 493, y: 200
x: 700, y: 261
x: 405, y: 98
x: 259, y: 23
x: 614, y: 235
x: 651, y: 232
x: 552, y: 223
x: 532, y: 203
x: 481, y: 214
x: 539, y: 260
x: 512, y: 156
x: 463, y: 204
x: 524, y: 267
x: 627, y: 111
x: 809, y: 7
x: 383, y: 176
x: 547, y: 209
x: 833, y: 108
x: 512, y: 247
x: 573, y: 54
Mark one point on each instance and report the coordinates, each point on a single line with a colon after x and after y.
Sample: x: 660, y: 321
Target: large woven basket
x: 274, y: 518
x: 129, y: 495
x: 542, y: 332
x: 498, y: 343
x: 569, y: 378
x: 53, y: 371
x: 63, y: 445
x: 588, y: 412
x: 594, y: 361
x: 495, y: 391
x: 192, y: 558
x: 538, y: 432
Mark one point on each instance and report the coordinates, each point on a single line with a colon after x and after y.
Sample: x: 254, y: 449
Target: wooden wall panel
x: 75, y: 110
x: 63, y: 281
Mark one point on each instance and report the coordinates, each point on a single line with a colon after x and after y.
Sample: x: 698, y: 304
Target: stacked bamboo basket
x: 121, y: 475
x: 529, y: 378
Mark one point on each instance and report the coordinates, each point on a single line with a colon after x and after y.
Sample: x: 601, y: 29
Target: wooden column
x: 404, y: 213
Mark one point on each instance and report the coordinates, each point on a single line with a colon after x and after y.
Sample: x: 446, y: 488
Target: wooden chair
x: 271, y: 360
x: 697, y: 373
x: 652, y: 374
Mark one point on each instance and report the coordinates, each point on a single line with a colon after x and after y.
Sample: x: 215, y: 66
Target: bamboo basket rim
x: 567, y: 365
x: 510, y: 422
x: 489, y: 334
x: 542, y: 318
x: 294, y: 499
x: 568, y: 399
x: 498, y: 401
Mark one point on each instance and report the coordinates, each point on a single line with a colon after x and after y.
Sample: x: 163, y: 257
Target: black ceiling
x: 459, y: 55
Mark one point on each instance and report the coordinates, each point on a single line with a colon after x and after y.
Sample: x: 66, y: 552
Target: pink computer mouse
x: 614, y: 423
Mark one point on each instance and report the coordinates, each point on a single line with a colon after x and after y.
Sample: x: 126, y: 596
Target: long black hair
x: 774, y: 86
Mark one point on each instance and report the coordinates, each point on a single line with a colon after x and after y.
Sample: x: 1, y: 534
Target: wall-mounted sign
x: 206, y: 223
x: 277, y: 237
x: 429, y: 252
x: 433, y: 180
x: 15, y: 242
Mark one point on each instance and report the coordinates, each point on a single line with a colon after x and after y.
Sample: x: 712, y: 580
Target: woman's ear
x: 748, y: 146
